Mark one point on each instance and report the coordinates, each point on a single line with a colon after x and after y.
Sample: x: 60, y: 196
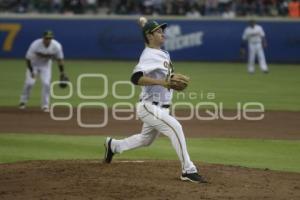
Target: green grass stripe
x: 230, y: 82
x: 273, y: 154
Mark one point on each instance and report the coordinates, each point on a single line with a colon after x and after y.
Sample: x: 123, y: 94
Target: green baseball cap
x: 152, y: 26
x: 48, y: 34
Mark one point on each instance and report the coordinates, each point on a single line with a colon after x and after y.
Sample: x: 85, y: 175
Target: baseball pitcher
x: 154, y: 72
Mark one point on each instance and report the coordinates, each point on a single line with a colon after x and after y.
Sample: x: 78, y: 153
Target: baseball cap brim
x: 163, y: 26
x: 152, y: 26
x: 48, y: 34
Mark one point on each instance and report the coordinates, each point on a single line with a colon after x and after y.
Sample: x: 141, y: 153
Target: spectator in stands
x: 211, y: 7
x: 113, y: 6
x: 223, y: 5
x: 240, y: 7
x: 167, y: 7
x: 158, y: 7
x: 193, y: 13
x: 200, y: 5
x: 282, y: 7
x: 43, y: 6
x: 91, y: 5
x: 22, y: 6
x: 294, y: 9
x: 224, y: 8
x: 148, y: 7
x: 228, y: 13
x: 180, y: 7
x: 56, y: 6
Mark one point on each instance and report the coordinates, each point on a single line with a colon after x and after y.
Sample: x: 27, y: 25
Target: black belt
x: 163, y: 106
x: 157, y: 103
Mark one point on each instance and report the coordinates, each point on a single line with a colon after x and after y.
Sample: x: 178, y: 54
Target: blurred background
x: 189, y: 8
x: 199, y: 30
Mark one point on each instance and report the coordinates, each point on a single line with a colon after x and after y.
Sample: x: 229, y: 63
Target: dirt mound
x: 86, y: 179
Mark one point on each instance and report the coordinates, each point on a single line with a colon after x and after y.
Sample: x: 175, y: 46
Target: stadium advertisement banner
x: 196, y: 40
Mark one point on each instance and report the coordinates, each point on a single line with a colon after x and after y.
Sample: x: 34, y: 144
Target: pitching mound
x: 140, y: 180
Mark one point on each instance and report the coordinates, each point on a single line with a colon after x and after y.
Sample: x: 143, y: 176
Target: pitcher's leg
x: 169, y: 126
x: 173, y: 130
x: 29, y: 82
x: 145, y: 138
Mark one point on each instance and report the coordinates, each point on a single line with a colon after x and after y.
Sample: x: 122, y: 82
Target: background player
x: 255, y: 36
x: 152, y: 73
x: 39, y: 60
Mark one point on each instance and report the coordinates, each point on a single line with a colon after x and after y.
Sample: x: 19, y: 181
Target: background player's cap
x: 152, y: 26
x: 48, y: 34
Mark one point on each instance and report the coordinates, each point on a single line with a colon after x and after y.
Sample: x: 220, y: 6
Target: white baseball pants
x: 157, y: 120
x: 45, y: 75
x: 256, y: 50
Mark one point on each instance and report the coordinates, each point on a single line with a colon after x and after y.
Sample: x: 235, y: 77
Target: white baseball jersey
x: 254, y: 37
x: 41, y: 65
x: 253, y: 34
x: 155, y: 63
x: 37, y: 46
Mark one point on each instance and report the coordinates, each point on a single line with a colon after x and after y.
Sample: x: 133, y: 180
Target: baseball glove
x: 178, y: 82
x: 63, y: 81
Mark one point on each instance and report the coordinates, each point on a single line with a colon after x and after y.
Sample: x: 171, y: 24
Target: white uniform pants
x: 256, y: 50
x: 45, y: 75
x: 157, y: 120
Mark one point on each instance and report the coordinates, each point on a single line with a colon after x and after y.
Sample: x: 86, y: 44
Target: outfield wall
x: 115, y: 38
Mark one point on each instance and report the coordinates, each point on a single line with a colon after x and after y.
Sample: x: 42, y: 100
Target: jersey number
x: 12, y: 30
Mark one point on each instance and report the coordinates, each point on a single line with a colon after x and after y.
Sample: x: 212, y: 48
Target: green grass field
x: 273, y: 154
x: 230, y: 83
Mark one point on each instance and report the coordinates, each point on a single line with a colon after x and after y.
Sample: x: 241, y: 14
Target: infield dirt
x: 274, y: 125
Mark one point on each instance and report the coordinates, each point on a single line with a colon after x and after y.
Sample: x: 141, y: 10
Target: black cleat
x: 193, y: 177
x: 108, y: 152
x: 22, y: 106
